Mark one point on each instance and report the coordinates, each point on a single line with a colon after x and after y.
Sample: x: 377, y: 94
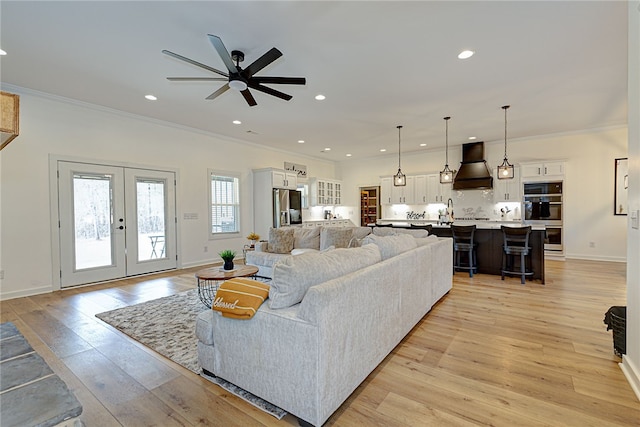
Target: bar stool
x: 463, y: 243
x: 427, y: 227
x: 516, y: 243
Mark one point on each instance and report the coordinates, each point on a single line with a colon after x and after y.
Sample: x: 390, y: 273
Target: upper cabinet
x: 392, y: 195
x: 284, y: 179
x: 325, y: 192
x: 542, y: 170
x: 507, y: 190
x: 436, y: 192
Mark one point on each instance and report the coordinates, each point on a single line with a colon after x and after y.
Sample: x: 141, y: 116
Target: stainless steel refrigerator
x: 287, y: 207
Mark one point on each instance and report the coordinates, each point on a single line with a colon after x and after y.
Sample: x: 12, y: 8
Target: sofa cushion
x: 306, y: 238
x: 293, y: 276
x: 281, y: 240
x: 423, y: 241
x: 417, y: 233
x: 335, y: 236
x: 391, y: 246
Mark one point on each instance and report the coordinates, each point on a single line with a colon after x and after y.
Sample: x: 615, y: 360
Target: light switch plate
x: 635, y: 218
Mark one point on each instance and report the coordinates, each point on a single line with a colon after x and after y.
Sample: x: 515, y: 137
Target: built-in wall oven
x: 542, y: 204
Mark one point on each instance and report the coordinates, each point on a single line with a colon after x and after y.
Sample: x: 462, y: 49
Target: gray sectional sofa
x: 330, y: 319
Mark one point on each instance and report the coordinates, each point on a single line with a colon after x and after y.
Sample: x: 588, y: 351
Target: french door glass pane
x: 151, y: 219
x: 92, y: 207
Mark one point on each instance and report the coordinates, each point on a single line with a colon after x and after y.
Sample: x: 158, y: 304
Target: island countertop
x: 480, y: 224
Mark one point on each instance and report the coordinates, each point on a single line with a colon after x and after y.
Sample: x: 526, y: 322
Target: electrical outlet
x: 206, y: 249
x: 1, y: 274
x: 592, y: 244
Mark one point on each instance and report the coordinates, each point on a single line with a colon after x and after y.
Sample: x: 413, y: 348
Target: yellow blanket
x: 240, y: 298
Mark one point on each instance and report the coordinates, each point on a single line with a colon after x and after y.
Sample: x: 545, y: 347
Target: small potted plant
x: 227, y: 256
x: 253, y: 237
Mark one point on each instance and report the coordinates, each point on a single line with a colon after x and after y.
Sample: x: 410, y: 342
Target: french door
x: 114, y: 222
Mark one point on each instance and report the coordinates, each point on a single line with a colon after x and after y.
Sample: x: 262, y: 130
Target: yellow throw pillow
x: 240, y: 298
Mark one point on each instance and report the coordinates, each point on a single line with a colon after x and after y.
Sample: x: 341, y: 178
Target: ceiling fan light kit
x: 505, y: 170
x: 446, y: 175
x: 238, y: 78
x: 399, y: 179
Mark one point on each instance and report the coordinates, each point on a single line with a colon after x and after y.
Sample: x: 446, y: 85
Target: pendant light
x: 399, y: 179
x: 446, y: 175
x: 505, y: 170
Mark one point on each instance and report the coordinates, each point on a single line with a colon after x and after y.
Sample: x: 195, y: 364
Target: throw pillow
x: 293, y: 276
x: 391, y: 246
x: 306, y: 238
x: 300, y: 251
x: 336, y: 236
x: 281, y: 240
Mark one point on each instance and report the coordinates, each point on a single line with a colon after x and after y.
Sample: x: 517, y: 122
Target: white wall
x: 631, y: 361
x: 588, y: 189
x: 52, y: 126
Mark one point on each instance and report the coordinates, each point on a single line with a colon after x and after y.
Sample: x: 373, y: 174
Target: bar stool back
x: 516, y: 244
x: 463, y: 243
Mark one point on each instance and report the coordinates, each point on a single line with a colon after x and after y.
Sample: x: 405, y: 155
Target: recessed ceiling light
x: 327, y: 149
x: 423, y: 145
x: 382, y: 150
x: 151, y: 97
x: 465, y: 54
x: 320, y: 97
x: 2, y: 52
x: 348, y: 155
x: 237, y: 122
x: 301, y: 141
x: 471, y: 138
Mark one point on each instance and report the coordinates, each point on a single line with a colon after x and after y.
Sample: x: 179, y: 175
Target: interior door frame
x: 56, y: 263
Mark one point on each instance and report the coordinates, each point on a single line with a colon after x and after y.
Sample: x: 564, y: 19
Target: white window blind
x: 225, y: 203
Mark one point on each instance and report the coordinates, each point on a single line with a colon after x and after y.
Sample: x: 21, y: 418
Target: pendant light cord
x: 399, y: 127
x: 446, y: 141
x: 505, y: 107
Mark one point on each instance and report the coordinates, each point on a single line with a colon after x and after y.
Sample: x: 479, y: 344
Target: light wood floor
x: 491, y: 352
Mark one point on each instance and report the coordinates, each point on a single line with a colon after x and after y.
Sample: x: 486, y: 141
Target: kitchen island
x: 488, y: 237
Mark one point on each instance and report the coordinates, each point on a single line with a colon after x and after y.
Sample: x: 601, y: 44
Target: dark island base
x: 489, y: 250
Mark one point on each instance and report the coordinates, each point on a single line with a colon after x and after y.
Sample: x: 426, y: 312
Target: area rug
x: 167, y: 325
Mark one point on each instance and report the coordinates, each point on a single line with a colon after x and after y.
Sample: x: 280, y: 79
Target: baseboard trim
x: 595, y: 258
x: 25, y: 293
x: 632, y: 374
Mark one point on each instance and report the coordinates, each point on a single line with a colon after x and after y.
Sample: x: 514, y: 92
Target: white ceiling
x: 561, y: 65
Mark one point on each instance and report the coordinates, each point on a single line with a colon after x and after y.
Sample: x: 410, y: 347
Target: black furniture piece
x: 427, y: 227
x: 464, y: 248
x: 516, y: 245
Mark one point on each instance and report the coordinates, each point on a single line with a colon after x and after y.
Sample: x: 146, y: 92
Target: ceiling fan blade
x: 219, y: 92
x: 197, y: 79
x: 270, y: 91
x: 196, y: 63
x: 249, y: 98
x: 280, y: 80
x: 223, y: 52
x: 262, y: 62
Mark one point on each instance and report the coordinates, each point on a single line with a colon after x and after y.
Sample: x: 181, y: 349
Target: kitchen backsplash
x: 467, y: 204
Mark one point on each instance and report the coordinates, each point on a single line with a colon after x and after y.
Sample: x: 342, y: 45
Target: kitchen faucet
x: 450, y: 211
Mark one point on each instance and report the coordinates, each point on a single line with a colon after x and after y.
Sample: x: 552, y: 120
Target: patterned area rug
x: 167, y: 325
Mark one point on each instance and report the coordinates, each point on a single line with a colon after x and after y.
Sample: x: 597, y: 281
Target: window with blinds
x: 225, y: 203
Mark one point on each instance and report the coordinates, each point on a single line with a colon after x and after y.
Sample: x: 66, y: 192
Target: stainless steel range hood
x: 474, y: 174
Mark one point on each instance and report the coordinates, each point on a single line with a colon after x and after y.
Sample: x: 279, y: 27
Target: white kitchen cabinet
x: 542, y: 169
x: 436, y: 192
x: 507, y: 190
x: 325, y: 192
x: 403, y: 195
x: 386, y: 184
x: 421, y: 190
x: 284, y: 179
x: 392, y: 195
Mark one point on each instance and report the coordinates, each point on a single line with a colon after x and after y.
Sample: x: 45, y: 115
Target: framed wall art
x: 621, y: 180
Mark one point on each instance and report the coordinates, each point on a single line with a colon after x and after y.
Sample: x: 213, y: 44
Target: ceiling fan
x: 238, y: 78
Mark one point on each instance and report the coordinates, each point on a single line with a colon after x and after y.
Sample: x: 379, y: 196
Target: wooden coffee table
x: 209, y: 280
